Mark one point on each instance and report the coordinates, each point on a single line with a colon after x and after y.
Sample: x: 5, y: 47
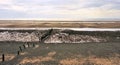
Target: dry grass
x: 38, y: 59
x: 91, y: 60
x: 51, y: 53
x: 34, y: 60
x: 23, y: 53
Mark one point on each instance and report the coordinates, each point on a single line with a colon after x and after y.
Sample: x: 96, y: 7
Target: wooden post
x: 20, y: 48
x: 3, y: 57
x: 18, y: 52
x: 28, y: 45
x: 33, y: 45
x: 24, y: 46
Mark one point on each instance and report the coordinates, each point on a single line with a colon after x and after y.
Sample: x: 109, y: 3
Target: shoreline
x: 74, y: 29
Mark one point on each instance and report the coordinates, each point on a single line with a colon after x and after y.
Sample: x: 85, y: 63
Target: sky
x: 60, y: 9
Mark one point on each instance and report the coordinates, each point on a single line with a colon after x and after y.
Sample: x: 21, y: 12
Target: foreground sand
x: 68, y: 54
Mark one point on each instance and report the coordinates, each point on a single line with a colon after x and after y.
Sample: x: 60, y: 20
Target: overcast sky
x: 60, y: 9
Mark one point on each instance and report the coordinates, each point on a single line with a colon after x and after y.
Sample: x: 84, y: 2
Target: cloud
x: 5, y: 1
x: 64, y: 9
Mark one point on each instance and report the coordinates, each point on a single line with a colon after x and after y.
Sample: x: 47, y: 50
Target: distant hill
x: 60, y: 24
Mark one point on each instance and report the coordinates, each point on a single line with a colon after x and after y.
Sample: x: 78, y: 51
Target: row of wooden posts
x: 20, y: 50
